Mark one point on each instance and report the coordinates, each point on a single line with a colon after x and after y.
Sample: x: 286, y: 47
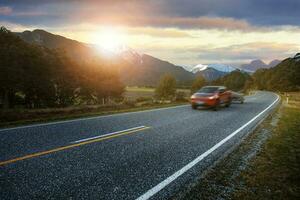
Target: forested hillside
x: 34, y: 76
x: 285, y: 77
x: 235, y: 80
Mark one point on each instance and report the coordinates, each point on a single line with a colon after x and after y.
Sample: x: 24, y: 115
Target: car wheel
x: 194, y: 107
x: 228, y: 103
x: 242, y: 101
x: 217, y: 106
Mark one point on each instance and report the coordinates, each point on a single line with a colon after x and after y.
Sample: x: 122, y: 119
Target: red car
x: 211, y: 96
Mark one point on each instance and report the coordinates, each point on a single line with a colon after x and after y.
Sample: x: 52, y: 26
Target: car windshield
x: 208, y: 90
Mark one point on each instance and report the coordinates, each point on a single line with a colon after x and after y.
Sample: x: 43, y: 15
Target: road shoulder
x: 225, y: 179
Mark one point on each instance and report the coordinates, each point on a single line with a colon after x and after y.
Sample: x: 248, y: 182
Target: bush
x: 198, y: 83
x: 142, y: 99
x: 166, y: 88
x: 129, y: 103
x: 180, y: 96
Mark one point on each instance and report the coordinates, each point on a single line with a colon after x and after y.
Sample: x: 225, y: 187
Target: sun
x: 109, y: 39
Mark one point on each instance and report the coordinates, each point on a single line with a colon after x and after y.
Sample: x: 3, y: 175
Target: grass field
x: 275, y: 172
x: 133, y: 93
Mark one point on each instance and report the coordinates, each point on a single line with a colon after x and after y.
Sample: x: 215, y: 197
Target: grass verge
x: 22, y: 117
x: 265, y: 166
x: 275, y: 172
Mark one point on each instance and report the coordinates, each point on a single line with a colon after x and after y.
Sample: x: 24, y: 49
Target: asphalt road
x: 148, y: 154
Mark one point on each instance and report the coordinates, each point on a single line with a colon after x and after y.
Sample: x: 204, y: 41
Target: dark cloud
x: 185, y: 13
x: 257, y: 12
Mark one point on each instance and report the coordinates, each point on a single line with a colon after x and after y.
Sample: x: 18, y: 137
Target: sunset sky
x: 185, y: 32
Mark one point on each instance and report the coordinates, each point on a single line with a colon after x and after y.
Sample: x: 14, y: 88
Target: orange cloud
x: 176, y: 22
x: 153, y: 32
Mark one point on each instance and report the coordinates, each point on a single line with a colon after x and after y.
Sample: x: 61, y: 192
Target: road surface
x: 141, y: 155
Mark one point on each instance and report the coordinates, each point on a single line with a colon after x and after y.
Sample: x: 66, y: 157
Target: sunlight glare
x: 110, y: 39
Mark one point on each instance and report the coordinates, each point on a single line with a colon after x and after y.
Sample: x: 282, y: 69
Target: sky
x: 186, y: 32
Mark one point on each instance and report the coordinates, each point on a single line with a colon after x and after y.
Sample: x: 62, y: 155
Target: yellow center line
x: 69, y: 146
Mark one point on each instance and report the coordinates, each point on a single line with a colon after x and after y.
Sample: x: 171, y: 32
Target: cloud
x: 29, y: 13
x: 173, y: 22
x: 15, y: 27
x: 257, y: 12
x: 5, y: 10
x: 158, y: 32
x: 193, y: 23
x: 249, y: 51
x: 183, y: 32
x: 241, y: 15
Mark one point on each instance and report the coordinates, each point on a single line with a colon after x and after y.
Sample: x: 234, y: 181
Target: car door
x: 222, y: 95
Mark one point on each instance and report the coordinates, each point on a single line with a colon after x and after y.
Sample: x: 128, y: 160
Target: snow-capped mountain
x: 218, y: 67
x: 130, y: 55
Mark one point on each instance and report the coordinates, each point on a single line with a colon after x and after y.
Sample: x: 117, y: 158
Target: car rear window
x: 208, y: 90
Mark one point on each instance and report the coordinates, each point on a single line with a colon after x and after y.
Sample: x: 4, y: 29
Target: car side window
x: 221, y: 90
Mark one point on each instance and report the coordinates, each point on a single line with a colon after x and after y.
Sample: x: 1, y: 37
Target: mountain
x: 297, y: 57
x: 273, y: 63
x: 76, y: 50
x: 210, y: 71
x: 211, y: 74
x: 259, y: 64
x: 218, y: 67
x: 284, y: 77
x: 147, y: 70
x: 254, y: 65
x: 135, y: 69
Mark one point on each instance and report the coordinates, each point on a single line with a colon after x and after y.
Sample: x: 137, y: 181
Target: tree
x: 235, y: 80
x: 166, y: 88
x: 35, y: 76
x: 284, y: 77
x: 198, y: 83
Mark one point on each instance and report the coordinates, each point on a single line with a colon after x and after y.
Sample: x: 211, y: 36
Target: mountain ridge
x: 135, y: 69
x: 259, y: 64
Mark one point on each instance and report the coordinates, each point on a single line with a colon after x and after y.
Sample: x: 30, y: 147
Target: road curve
x: 140, y: 155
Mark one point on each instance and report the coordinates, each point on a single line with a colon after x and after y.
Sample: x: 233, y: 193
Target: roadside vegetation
x: 198, y: 83
x: 134, y: 99
x: 275, y: 172
x: 264, y: 166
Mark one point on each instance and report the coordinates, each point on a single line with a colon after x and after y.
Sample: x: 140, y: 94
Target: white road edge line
x: 88, y: 118
x: 187, y: 167
x: 108, y: 134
